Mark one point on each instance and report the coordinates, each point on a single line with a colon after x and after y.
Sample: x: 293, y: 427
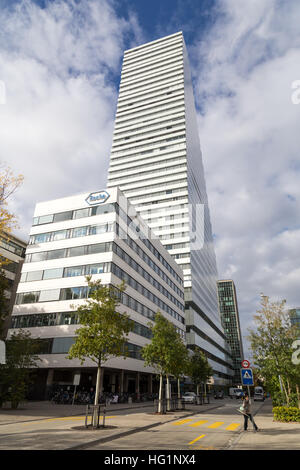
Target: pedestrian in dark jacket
x: 247, y: 412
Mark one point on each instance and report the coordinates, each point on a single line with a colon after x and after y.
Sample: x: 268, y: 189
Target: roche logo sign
x: 97, y: 198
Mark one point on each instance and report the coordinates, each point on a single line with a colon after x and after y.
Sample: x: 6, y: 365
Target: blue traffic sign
x: 247, y: 376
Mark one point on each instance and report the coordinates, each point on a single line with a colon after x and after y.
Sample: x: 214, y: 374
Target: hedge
x: 286, y: 414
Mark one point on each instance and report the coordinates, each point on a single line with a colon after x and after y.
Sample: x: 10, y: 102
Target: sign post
x: 76, y: 382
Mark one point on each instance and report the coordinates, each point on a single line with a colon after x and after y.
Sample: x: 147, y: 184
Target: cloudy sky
x: 60, y: 62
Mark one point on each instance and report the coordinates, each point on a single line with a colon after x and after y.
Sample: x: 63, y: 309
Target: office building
x: 12, y: 254
x: 231, y: 323
x: 294, y: 314
x: 156, y: 161
x: 96, y: 234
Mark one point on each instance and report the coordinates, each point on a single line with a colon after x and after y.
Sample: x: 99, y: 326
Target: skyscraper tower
x: 231, y: 323
x: 156, y: 161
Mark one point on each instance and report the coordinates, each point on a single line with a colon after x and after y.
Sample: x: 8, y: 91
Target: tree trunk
x: 160, y: 393
x: 298, y: 395
x: 168, y: 393
x: 178, y: 387
x: 97, y: 393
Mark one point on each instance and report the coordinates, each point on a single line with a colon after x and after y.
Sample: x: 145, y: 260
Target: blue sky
x: 60, y: 62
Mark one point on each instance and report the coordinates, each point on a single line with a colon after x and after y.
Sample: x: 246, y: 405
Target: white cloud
x: 58, y: 64
x: 249, y: 132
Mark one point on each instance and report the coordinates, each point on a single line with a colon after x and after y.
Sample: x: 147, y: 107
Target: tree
x: 15, y: 375
x: 199, y: 369
x: 166, y: 353
x: 8, y: 185
x: 271, y: 345
x: 104, y: 330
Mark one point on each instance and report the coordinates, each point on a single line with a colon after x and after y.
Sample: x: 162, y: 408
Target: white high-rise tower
x: 156, y: 161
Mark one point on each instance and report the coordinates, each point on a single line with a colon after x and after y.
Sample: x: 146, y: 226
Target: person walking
x: 247, y: 412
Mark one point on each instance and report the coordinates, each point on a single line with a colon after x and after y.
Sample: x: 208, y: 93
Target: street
x: 214, y: 426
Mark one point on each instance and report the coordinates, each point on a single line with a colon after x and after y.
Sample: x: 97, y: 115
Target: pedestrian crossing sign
x: 247, y: 376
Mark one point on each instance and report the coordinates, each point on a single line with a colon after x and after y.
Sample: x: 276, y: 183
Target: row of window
x: 8, y: 265
x: 145, y: 165
x: 64, y: 318
x: 70, y: 233
x: 170, y: 56
x: 63, y: 345
x: 163, y: 210
x: 82, y: 250
x: 152, y: 127
x: 88, y: 249
x: 158, y: 193
x: 9, y: 245
x: 118, y: 135
x: 74, y: 214
x: 163, y: 201
x: 131, y: 57
x: 154, y: 173
x: 148, y: 244
x: 82, y: 292
x: 118, y: 141
x: 171, y: 149
x: 147, y: 72
x: 138, y: 268
x: 55, y: 273
x: 146, y: 293
x: 155, y: 113
x: 141, y: 253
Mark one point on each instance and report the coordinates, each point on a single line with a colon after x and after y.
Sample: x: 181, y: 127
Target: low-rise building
x: 96, y: 234
x: 12, y: 254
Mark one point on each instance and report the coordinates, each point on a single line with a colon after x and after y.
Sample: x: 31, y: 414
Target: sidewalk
x: 272, y: 435
x: 41, y: 425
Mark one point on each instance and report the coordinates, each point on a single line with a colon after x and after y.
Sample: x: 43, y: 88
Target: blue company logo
x: 97, y: 198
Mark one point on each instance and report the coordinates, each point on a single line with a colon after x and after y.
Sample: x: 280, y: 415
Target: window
x: 53, y: 273
x: 27, y: 297
x: 59, y: 235
x: 97, y: 248
x: 54, y: 254
x: 62, y: 216
x: 42, y: 237
x: 96, y: 268
x: 73, y: 271
x: 38, y: 256
x: 78, y: 214
x: 62, y: 345
x: 69, y: 319
x: 73, y: 293
x: 96, y: 229
x: 49, y: 295
x: 45, y: 219
x: 34, y: 276
x: 79, y: 232
x: 76, y: 251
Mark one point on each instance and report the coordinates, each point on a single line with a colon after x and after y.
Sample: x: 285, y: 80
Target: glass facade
x: 230, y: 320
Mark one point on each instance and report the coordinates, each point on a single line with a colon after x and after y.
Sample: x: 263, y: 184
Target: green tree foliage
x: 271, y: 345
x: 199, y: 369
x: 103, y: 332
x: 16, y: 374
x: 166, y: 353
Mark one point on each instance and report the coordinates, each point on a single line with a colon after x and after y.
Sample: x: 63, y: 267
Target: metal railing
x: 170, y: 404
x: 93, y: 414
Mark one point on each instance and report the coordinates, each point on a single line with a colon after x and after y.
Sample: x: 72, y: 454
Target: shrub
x: 286, y: 414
